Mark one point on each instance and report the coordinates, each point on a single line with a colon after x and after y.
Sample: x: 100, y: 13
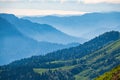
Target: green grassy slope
x: 92, y: 65
x: 114, y: 74
x: 42, y: 70
x: 100, y: 61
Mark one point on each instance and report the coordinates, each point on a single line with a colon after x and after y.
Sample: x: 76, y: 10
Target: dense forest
x: 84, y: 62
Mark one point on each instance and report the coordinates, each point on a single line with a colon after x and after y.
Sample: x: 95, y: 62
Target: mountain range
x: 16, y: 44
x: 40, y: 32
x: 34, y: 50
x: 87, y: 25
x: 101, y: 54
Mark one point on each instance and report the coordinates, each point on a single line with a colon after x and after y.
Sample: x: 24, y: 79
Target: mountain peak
x: 7, y: 16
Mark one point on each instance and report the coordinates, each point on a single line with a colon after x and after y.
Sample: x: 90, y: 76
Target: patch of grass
x: 114, y: 46
x: 67, y: 67
x: 60, y: 61
x: 82, y: 75
x: 0, y: 71
x: 78, y: 77
x: 42, y: 70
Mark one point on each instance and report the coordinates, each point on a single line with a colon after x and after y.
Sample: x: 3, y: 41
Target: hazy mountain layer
x: 88, y: 25
x: 40, y: 32
x: 15, y: 45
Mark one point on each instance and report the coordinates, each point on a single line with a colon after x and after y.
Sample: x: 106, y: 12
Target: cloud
x: 9, y: 0
x: 65, y: 1
x: 93, y: 1
x: 32, y: 12
x: 57, y: 6
x: 101, y: 1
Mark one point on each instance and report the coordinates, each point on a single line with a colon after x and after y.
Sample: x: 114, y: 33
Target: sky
x: 60, y: 7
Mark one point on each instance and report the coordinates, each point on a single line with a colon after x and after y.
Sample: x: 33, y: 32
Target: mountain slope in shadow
x: 15, y: 45
x: 40, y: 32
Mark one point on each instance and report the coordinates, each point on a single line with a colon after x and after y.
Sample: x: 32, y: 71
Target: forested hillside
x: 72, y: 53
x: 46, y: 67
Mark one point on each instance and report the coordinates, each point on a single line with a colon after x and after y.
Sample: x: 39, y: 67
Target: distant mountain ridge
x: 15, y: 45
x: 74, y: 52
x: 89, y: 23
x: 40, y: 32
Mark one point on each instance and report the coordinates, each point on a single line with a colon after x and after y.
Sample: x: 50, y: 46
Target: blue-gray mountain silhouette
x: 16, y: 45
x: 40, y: 32
x: 88, y: 25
